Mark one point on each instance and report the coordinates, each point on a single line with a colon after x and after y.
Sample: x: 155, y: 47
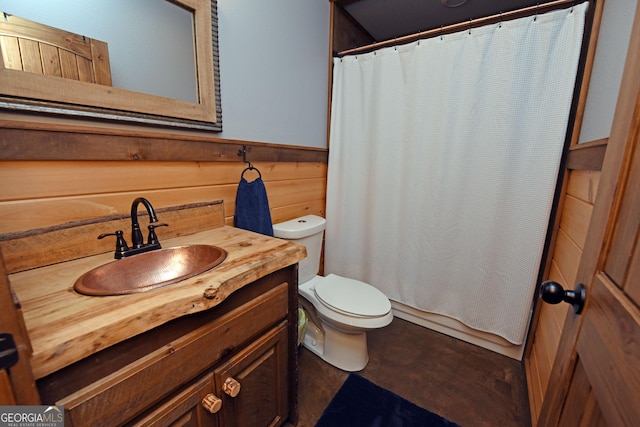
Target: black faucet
x: 137, y: 241
x: 136, y: 234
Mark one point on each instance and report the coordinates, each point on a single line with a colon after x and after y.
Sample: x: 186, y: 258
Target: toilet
x: 340, y: 310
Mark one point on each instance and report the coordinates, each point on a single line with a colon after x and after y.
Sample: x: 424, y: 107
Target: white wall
x: 613, y: 42
x: 273, y: 64
x: 274, y: 70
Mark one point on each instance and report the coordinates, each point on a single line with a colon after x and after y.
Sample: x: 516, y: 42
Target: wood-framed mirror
x: 29, y: 91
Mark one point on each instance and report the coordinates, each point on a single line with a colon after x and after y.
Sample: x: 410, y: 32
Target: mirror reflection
x: 189, y: 67
x: 151, y: 46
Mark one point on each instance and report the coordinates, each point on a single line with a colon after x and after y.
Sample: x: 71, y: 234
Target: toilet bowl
x: 341, y: 310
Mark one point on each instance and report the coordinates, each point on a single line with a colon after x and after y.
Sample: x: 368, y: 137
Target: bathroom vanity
x: 218, y: 349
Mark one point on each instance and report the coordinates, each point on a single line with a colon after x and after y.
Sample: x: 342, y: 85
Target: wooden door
x: 595, y: 379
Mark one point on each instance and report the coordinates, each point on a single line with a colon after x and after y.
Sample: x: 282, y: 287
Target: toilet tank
x: 306, y: 231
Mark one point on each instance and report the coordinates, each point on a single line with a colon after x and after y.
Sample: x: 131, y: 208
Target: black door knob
x: 553, y: 293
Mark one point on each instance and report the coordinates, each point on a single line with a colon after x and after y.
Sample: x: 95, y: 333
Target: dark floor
x: 464, y: 383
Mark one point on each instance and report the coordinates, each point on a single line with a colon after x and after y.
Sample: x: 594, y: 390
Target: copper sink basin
x: 149, y: 270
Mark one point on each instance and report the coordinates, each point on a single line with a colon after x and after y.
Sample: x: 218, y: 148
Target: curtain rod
x: 539, y: 8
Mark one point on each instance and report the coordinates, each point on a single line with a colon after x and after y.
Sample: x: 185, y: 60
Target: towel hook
x: 243, y: 153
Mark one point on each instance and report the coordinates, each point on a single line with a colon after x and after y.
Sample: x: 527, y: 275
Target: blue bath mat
x: 361, y: 403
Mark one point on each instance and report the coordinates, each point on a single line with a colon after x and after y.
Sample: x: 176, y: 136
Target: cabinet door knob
x: 212, y: 403
x: 231, y: 387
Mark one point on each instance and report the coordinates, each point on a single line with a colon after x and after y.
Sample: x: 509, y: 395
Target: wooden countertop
x: 65, y: 326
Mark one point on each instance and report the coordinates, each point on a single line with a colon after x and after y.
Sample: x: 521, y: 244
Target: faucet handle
x: 152, y: 239
x: 121, y: 244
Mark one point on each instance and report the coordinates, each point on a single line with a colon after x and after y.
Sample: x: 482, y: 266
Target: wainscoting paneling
x: 574, y: 221
x: 36, y: 194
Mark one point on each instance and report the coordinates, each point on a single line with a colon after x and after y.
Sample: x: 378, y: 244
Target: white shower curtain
x: 443, y: 161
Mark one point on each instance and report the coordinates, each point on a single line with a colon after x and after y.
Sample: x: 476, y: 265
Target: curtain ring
x: 441, y: 32
x: 535, y: 18
x: 500, y: 22
x: 470, y: 25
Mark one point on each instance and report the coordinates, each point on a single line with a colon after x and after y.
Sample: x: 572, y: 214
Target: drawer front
x: 184, y: 409
x: 127, y: 392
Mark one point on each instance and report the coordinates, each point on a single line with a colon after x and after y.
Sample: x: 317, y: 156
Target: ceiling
x: 387, y: 19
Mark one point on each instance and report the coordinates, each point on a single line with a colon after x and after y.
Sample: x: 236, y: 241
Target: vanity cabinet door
x: 134, y: 388
x: 185, y: 409
x: 253, y: 384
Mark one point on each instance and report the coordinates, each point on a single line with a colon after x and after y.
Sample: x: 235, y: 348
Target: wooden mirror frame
x: 30, y: 92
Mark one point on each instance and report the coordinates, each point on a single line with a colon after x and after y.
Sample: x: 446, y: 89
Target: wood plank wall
x: 37, y: 194
x: 347, y: 32
x: 574, y: 218
x: 42, y: 193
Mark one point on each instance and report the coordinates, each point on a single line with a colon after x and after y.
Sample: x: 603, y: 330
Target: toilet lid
x: 351, y: 297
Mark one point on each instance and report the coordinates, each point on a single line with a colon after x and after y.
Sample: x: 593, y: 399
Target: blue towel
x: 252, y: 207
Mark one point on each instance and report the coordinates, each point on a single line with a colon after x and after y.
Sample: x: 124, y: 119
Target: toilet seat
x: 339, y: 318
x: 351, y: 297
